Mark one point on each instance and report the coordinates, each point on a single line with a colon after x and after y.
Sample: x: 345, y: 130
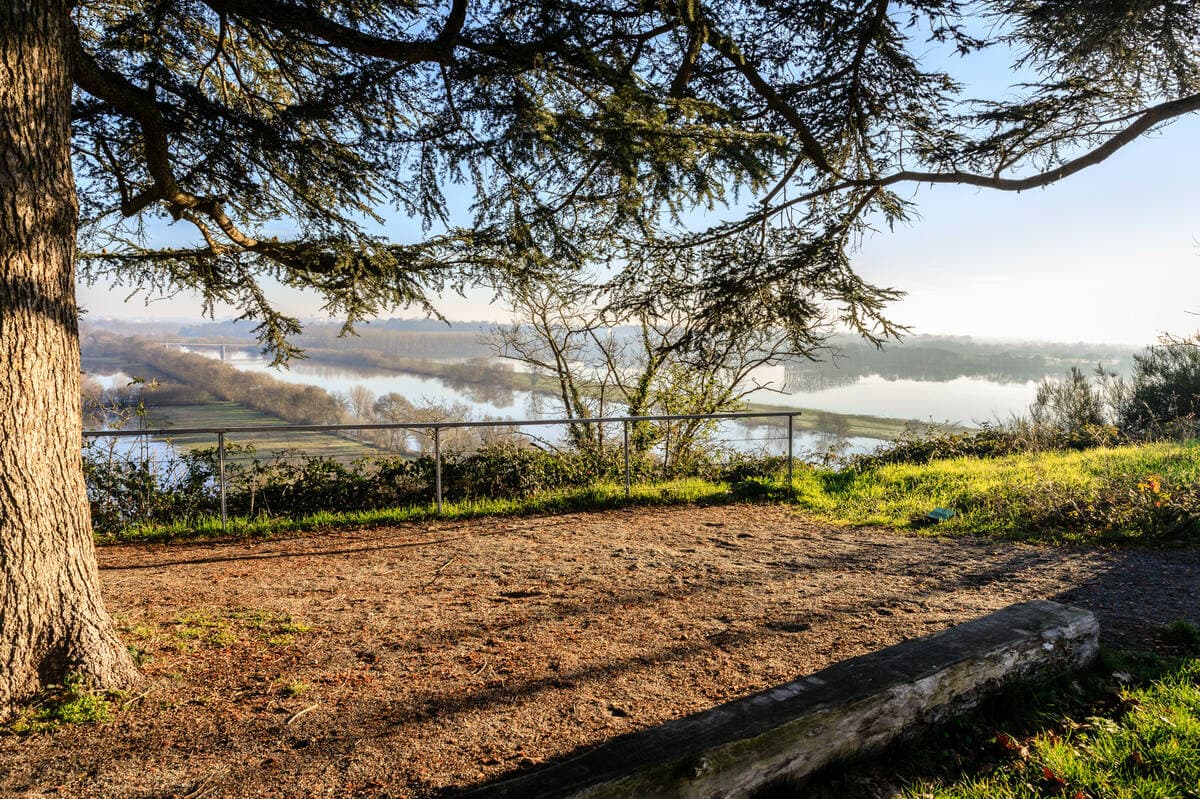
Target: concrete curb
x: 851, y: 708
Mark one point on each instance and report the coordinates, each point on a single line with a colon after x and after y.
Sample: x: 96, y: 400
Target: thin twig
x: 204, y: 786
x: 300, y: 713
x: 437, y: 573
x: 130, y: 703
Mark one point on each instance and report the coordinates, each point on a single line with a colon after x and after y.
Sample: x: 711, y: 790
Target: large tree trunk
x: 52, y: 620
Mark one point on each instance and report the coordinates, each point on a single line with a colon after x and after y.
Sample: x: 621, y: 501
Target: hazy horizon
x: 1109, y: 255
x: 93, y: 317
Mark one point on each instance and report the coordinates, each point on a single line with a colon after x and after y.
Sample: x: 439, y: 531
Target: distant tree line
x: 938, y: 359
x: 405, y: 338
x: 401, y: 343
x: 1159, y: 399
x: 212, y: 378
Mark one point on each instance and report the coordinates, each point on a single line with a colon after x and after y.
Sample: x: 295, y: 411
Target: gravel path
x: 418, y: 660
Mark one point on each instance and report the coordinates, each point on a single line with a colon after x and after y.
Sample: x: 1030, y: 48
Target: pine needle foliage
x: 723, y: 153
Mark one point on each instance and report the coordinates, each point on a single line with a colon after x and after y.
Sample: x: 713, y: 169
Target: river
x: 964, y: 401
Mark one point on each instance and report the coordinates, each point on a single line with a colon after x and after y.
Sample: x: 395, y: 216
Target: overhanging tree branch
x: 1143, y: 122
x: 693, y: 14
x: 306, y: 20
x: 1151, y: 117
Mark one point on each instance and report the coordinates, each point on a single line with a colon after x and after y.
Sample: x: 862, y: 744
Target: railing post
x: 625, y: 434
x: 791, y: 438
x: 627, y: 424
x: 437, y: 466
x: 667, y: 450
x: 221, y: 477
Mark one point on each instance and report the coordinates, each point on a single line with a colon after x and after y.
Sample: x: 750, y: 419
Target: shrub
x: 1123, y: 506
x: 990, y: 441
x: 1076, y: 402
x: 1160, y: 400
x: 127, y: 490
x: 1165, y: 396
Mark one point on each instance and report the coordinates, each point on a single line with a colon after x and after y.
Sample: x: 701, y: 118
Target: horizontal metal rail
x: 297, y: 428
x: 438, y: 427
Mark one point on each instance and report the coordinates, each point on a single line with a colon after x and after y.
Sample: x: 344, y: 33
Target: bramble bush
x: 1123, y: 506
x: 124, y: 489
x: 1115, y: 507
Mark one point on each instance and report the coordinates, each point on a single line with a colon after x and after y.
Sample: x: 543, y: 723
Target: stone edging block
x: 851, y: 708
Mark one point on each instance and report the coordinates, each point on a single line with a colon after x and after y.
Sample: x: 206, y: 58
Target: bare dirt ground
x: 416, y: 661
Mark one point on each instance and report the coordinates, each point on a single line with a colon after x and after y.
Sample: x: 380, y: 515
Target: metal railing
x: 438, y: 427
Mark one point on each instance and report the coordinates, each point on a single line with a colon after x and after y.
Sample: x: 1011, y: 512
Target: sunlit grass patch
x: 597, y: 497
x: 208, y: 627
x: 1111, y: 493
x: 72, y: 702
x: 294, y: 688
x: 1151, y: 749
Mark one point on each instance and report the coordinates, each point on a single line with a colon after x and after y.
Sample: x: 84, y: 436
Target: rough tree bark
x: 52, y: 619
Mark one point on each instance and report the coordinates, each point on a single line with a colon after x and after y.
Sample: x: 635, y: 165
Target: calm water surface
x: 964, y: 401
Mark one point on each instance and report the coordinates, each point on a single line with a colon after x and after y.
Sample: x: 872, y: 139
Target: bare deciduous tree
x: 653, y: 362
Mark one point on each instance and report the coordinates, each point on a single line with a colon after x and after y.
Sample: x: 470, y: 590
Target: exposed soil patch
x: 418, y: 660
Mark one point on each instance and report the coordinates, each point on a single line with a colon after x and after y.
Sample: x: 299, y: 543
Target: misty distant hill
x: 939, y: 358
x: 933, y: 358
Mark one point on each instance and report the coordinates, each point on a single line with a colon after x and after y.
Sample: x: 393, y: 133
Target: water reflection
x: 965, y: 401
x: 936, y: 397
x: 503, y: 402
x: 799, y: 378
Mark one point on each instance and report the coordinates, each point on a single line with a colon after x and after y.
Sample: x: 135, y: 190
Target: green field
x: 231, y: 414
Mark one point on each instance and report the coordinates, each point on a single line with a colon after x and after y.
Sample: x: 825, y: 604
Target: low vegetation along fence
x: 153, y: 481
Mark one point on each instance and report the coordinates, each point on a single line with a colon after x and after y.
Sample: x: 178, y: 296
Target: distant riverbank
x: 486, y: 387
x: 486, y: 374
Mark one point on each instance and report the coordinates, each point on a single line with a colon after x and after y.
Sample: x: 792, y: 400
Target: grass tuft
x: 1149, y: 747
x: 73, y: 702
x: 294, y: 689
x: 1181, y: 636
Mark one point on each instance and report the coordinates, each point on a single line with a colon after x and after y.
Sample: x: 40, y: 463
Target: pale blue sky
x: 1110, y: 254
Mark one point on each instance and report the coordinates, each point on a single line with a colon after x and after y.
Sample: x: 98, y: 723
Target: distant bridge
x: 191, y: 345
